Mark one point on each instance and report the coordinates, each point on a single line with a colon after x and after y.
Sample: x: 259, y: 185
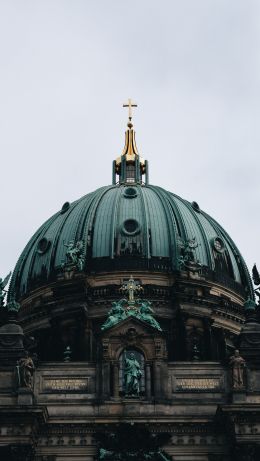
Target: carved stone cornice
x: 242, y: 421
x: 22, y: 422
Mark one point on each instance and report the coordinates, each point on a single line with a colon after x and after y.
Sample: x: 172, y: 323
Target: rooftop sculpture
x: 3, y: 292
x: 187, y: 257
x: 131, y: 307
x: 74, y: 255
x: 256, y: 278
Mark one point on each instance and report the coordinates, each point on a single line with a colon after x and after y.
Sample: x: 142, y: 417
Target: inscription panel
x: 197, y: 384
x: 65, y: 384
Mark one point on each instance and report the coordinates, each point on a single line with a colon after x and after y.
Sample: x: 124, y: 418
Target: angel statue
x: 187, y: 257
x: 3, y: 292
x: 256, y: 278
x: 189, y: 247
x: 74, y: 254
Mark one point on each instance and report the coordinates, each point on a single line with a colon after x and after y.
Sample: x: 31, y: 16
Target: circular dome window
x: 43, y: 245
x: 195, y: 206
x: 131, y: 227
x: 65, y: 207
x: 130, y: 192
x: 218, y: 245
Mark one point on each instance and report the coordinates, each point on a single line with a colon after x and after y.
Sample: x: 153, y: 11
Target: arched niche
x: 134, y: 334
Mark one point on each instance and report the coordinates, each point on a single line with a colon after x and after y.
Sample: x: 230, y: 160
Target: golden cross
x: 130, y: 104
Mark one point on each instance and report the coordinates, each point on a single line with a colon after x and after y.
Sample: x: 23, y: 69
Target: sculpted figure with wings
x: 256, y: 278
x: 3, y: 292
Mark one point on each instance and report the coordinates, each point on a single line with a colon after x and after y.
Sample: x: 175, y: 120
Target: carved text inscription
x: 197, y: 383
x: 66, y: 384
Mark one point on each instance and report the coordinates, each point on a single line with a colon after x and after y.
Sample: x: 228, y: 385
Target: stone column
x: 106, y: 380
x: 148, y: 388
x: 116, y: 379
x: 208, y: 352
x: 157, y: 379
x: 88, y: 339
x: 165, y: 392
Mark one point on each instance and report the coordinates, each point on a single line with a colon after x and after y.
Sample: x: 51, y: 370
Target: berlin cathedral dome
x: 130, y: 331
x: 131, y: 226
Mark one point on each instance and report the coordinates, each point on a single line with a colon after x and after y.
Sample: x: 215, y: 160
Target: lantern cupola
x: 130, y: 167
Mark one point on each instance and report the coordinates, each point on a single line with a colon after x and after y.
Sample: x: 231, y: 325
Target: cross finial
x: 130, y: 288
x: 130, y: 104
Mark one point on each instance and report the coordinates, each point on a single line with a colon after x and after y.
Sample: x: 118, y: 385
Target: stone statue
x: 256, y: 279
x: 189, y: 248
x: 115, y: 315
x: 256, y: 276
x: 187, y: 257
x: 141, y: 309
x: 237, y: 365
x: 132, y: 375
x: 105, y: 454
x: 25, y: 369
x: 3, y: 292
x: 132, y: 443
x: 13, y: 306
x: 145, y: 314
x: 74, y: 254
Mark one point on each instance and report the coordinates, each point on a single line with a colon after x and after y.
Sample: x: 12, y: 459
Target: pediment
x: 141, y: 328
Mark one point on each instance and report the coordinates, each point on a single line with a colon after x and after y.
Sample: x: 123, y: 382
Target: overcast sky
x: 66, y: 67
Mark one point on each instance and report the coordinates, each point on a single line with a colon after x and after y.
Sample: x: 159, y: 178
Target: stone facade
x: 187, y: 391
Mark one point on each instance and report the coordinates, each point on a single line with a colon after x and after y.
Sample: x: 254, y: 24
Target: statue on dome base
x: 256, y: 278
x: 187, y: 258
x: 74, y: 255
x: 13, y: 306
x: 3, y: 283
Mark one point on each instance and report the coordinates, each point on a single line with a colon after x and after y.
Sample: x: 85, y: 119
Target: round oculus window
x: 218, y: 245
x: 65, y: 207
x: 195, y: 206
x: 43, y: 245
x: 130, y: 192
x: 131, y: 227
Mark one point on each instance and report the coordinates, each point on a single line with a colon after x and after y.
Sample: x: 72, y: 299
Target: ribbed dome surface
x: 127, y: 227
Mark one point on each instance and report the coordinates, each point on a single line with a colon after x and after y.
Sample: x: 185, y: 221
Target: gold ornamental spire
x: 130, y: 149
x: 130, y: 167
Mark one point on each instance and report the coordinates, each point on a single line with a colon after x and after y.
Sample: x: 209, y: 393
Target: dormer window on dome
x: 130, y: 168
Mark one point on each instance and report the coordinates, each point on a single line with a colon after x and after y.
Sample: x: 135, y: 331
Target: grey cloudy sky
x: 66, y: 67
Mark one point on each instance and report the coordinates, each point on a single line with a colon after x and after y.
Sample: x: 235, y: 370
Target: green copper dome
x: 130, y: 227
